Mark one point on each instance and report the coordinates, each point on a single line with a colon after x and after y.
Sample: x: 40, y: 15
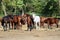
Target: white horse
x: 36, y: 21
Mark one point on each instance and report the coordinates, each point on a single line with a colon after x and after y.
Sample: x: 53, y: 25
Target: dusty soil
x: 43, y: 34
x: 33, y: 35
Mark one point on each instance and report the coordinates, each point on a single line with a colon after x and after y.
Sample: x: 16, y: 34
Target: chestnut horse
x: 16, y: 21
x: 50, y: 21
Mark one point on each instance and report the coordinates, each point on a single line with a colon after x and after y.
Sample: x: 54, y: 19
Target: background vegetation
x: 46, y: 8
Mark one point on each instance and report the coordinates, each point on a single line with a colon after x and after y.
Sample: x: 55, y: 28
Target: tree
x: 3, y: 7
x: 50, y: 9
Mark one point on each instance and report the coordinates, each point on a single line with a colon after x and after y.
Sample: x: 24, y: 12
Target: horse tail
x: 32, y: 20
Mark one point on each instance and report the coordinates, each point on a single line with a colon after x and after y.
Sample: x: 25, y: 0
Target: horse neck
x: 33, y: 16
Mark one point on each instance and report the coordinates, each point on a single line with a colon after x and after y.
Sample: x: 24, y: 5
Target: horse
x: 36, y: 21
x: 29, y: 20
x: 52, y: 21
x: 6, y: 20
x: 43, y: 20
x: 17, y: 22
x: 49, y: 20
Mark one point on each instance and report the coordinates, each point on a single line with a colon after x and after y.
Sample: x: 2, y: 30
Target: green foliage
x: 40, y: 7
x: 51, y: 9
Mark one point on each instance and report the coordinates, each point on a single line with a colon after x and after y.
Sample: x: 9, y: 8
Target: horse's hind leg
x: 31, y: 27
x: 3, y: 24
x: 37, y: 27
x: 15, y: 25
x: 57, y: 25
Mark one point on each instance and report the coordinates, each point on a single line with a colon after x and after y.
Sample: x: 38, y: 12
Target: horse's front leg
x: 19, y: 26
x: 12, y: 26
x: 5, y: 26
x: 27, y: 27
x: 57, y: 25
x: 9, y: 25
x: 31, y: 27
x: 50, y: 26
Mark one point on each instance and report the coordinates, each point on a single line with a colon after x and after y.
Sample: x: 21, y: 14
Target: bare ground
x: 33, y: 35
x: 43, y: 34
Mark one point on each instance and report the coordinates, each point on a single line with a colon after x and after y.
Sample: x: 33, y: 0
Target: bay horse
x: 49, y: 20
x: 29, y: 20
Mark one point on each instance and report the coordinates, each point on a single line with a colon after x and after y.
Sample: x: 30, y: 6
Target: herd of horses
x: 32, y: 21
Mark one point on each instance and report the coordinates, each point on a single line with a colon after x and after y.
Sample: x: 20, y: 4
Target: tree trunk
x: 15, y: 11
x: 22, y: 11
x: 59, y: 6
x: 3, y: 7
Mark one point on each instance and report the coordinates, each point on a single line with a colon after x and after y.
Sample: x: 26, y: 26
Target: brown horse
x: 50, y: 21
x: 29, y: 20
x: 17, y: 22
x: 42, y: 21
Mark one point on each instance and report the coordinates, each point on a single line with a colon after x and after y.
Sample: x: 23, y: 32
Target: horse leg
x: 31, y: 27
x: 27, y: 27
x: 9, y: 26
x: 20, y: 26
x: 5, y: 27
x: 3, y: 24
x: 36, y: 26
x: 50, y: 26
x: 39, y: 26
x: 15, y: 24
x: 12, y: 26
x: 57, y: 25
x: 43, y: 25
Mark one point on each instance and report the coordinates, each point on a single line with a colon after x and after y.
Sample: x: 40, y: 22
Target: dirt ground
x: 33, y: 35
x: 43, y: 34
